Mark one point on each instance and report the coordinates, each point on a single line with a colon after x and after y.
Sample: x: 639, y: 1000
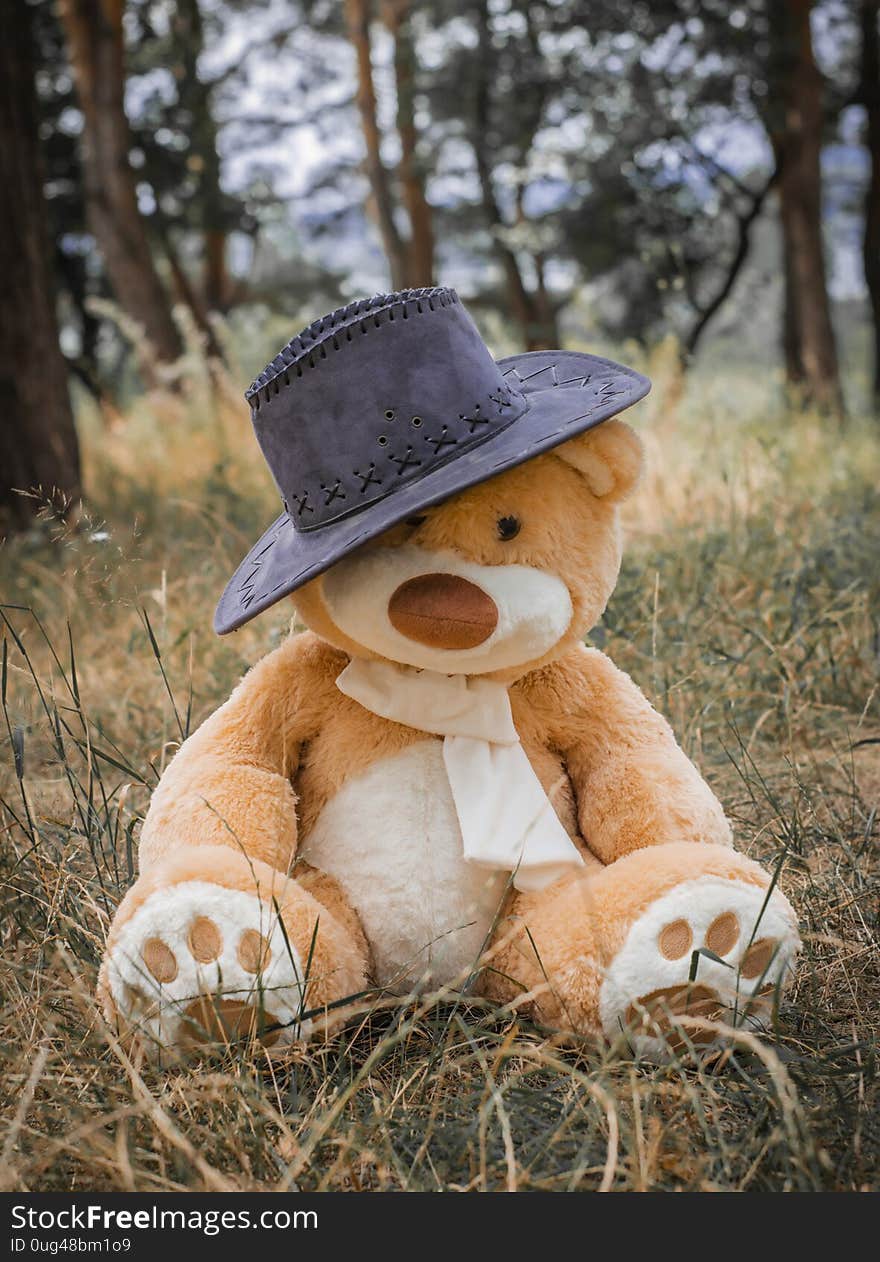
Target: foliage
x: 626, y: 146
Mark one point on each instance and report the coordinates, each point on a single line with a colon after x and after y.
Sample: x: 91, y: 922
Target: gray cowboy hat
x: 390, y: 405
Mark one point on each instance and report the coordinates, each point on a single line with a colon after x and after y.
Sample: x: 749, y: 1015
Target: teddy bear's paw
x: 711, y: 950
x: 199, y: 963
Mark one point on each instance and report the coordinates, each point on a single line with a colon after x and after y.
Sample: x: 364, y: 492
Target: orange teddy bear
x: 438, y: 784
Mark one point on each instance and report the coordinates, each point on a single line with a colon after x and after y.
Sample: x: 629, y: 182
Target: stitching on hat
x: 552, y: 368
x: 247, y: 586
x: 328, y: 329
x: 333, y: 492
x: 302, y: 504
x: 501, y: 398
x: 442, y: 441
x: 476, y: 419
x: 367, y: 479
x: 605, y: 390
x: 405, y: 462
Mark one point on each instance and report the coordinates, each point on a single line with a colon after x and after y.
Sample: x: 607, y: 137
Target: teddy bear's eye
x: 508, y: 528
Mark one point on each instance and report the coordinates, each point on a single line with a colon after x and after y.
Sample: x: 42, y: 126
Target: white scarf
x: 506, y: 818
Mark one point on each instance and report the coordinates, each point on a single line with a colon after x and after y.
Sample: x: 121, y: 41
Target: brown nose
x: 443, y: 611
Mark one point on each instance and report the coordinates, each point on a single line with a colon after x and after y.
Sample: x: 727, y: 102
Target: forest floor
x: 747, y: 610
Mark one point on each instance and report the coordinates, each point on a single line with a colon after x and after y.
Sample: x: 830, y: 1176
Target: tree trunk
x: 38, y: 447
x: 545, y: 324
x: 357, y: 20
x: 217, y: 288
x: 791, y: 331
x: 870, y: 95
x: 420, y: 252
x: 95, y: 41
x: 186, y: 293
x: 535, y: 317
x: 811, y: 350
x: 190, y: 39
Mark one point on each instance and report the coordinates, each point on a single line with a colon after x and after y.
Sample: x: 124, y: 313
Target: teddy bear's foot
x: 201, y: 963
x: 709, y: 951
x: 211, y: 947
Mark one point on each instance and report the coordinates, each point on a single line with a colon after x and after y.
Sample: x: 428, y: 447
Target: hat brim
x: 567, y: 392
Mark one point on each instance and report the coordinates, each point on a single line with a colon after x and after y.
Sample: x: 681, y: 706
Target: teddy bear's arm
x: 230, y: 783
x: 633, y: 784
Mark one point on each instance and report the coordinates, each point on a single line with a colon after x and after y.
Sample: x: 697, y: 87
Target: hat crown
x: 374, y: 396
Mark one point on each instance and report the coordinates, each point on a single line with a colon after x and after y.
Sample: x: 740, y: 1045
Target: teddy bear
x: 437, y: 784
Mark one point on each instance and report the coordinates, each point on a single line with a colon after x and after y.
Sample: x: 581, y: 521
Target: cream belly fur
x: 391, y: 839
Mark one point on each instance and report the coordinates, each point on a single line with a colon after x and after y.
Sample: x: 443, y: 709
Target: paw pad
x: 212, y: 1020
x: 675, y: 940
x: 160, y: 960
x: 658, y: 1013
x: 758, y: 957
x: 204, y: 940
x: 254, y: 952
x: 723, y: 933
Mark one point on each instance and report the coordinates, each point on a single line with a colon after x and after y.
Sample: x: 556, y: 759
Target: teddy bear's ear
x: 610, y: 457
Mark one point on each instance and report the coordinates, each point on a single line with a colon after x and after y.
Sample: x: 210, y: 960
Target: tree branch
x: 744, y: 228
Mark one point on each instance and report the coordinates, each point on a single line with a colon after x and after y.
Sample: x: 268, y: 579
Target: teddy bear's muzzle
x: 443, y: 611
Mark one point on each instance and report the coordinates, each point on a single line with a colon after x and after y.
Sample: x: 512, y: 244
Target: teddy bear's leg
x: 614, y: 952
x: 212, y: 946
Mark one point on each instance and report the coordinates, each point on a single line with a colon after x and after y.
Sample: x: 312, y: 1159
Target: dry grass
x: 747, y: 609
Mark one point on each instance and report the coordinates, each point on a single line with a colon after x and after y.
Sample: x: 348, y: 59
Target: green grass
x: 747, y: 609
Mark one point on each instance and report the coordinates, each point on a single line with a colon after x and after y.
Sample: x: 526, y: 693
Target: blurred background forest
x: 581, y: 170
